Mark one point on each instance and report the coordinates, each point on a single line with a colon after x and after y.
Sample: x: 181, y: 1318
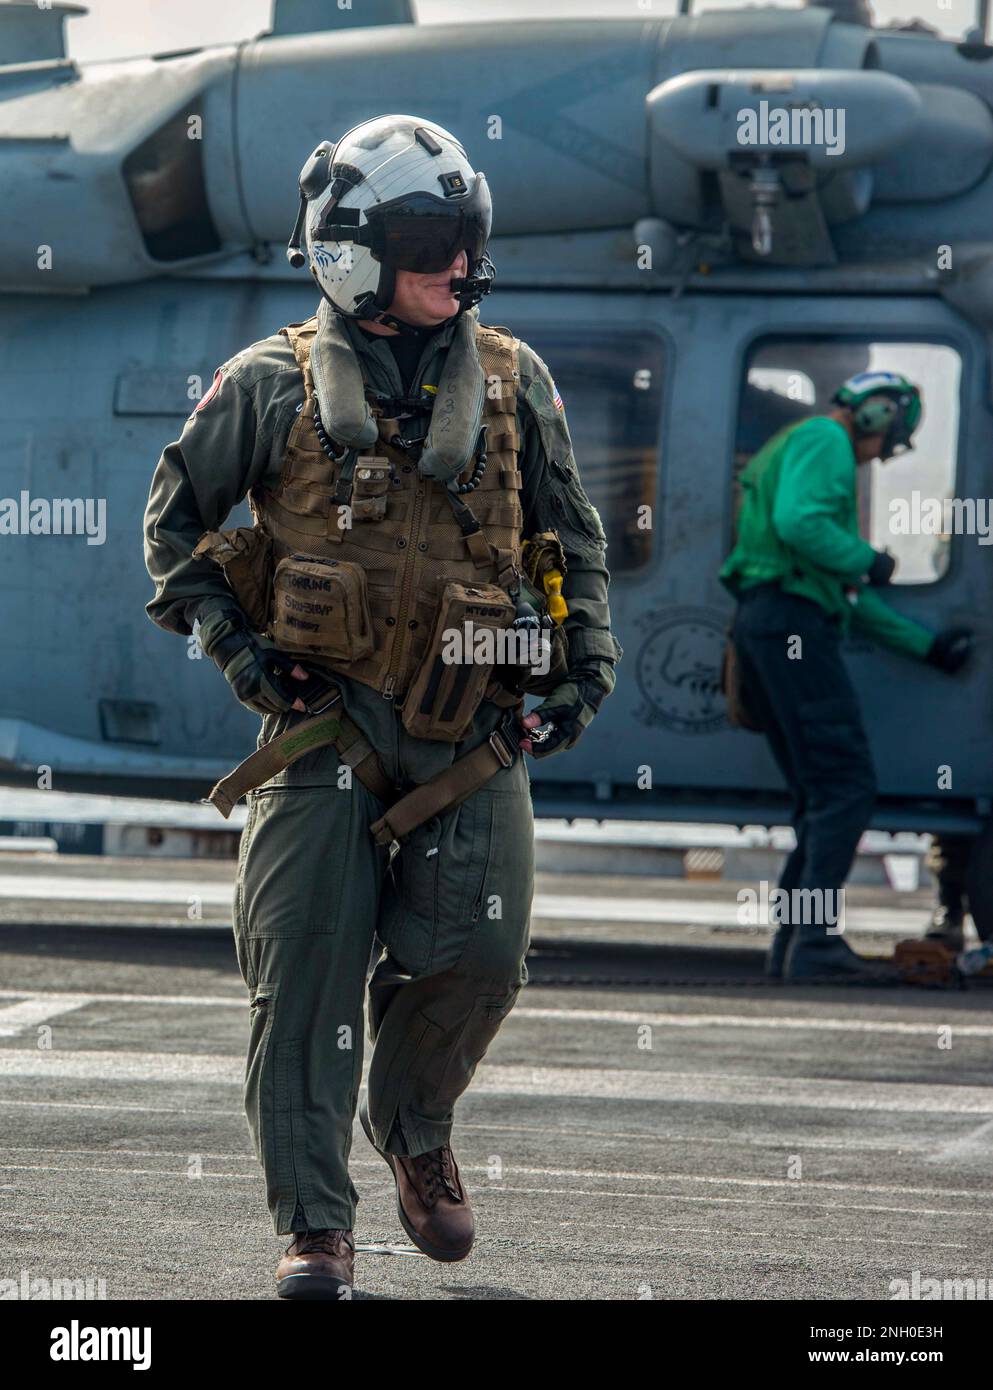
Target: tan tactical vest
x: 417, y: 546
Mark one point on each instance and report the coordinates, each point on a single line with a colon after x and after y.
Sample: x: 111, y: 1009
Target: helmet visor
x: 424, y: 233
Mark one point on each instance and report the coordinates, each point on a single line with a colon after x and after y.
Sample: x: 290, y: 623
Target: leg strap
x: 448, y: 788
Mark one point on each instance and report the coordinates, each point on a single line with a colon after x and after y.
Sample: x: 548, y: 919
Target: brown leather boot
x: 432, y: 1204
x: 317, y: 1264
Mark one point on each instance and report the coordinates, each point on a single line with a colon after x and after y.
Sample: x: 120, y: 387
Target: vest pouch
x: 445, y: 694
x: 245, y: 556
x: 370, y: 487
x: 321, y: 609
x: 518, y: 678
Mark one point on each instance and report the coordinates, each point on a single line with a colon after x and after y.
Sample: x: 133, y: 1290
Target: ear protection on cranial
x: 875, y: 415
x: 884, y: 403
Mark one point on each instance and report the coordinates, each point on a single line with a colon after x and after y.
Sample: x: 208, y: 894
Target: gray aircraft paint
x: 105, y: 351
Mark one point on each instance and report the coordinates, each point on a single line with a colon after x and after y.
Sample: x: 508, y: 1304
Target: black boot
x: 816, y: 955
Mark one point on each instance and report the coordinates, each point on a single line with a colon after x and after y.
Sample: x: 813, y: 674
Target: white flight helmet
x: 395, y: 193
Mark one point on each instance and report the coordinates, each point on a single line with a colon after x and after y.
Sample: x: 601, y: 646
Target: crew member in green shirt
x: 803, y: 576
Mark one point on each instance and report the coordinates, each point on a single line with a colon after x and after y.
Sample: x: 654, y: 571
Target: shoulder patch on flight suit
x: 211, y: 393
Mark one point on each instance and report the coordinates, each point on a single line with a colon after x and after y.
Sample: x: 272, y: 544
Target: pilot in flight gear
x: 802, y: 575
x: 409, y: 471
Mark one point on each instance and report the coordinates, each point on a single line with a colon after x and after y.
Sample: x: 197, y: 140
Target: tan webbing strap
x: 444, y: 791
x: 285, y: 749
x: 276, y: 755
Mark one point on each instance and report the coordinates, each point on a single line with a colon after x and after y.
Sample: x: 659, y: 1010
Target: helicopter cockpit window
x: 165, y: 180
x: 611, y: 384
x: 789, y: 379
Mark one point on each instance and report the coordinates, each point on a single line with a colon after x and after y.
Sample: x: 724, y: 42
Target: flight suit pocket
x: 292, y: 876
x: 439, y: 877
x: 472, y: 1044
x: 262, y: 1012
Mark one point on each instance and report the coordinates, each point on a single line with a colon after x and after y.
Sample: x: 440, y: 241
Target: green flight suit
x: 315, y: 899
x: 798, y: 527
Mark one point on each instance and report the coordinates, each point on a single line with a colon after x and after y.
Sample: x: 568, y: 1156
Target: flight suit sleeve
x: 816, y: 484
x: 553, y: 499
x: 872, y: 616
x: 223, y: 451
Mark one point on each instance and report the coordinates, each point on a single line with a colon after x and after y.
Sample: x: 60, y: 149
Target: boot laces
x: 326, y: 1242
x: 437, y: 1169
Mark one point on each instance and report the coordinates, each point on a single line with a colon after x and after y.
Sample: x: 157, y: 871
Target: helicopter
x: 703, y: 223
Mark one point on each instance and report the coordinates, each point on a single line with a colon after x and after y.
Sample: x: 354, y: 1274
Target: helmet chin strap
x: 409, y: 330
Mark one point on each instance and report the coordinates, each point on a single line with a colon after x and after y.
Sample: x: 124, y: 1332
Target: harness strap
x: 441, y: 793
x: 446, y: 789
x: 286, y: 748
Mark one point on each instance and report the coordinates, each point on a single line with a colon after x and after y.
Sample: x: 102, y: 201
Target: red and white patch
x: 212, y: 392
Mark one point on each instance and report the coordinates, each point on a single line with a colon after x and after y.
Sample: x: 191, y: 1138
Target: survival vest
x: 405, y: 541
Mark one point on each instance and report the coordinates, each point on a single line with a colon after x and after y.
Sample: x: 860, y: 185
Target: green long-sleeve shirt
x: 799, y: 527
x: 237, y: 438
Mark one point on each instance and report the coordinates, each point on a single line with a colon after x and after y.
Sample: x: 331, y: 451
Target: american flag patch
x: 559, y: 404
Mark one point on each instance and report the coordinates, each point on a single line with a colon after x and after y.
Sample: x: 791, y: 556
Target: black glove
x: 571, y: 706
x: 256, y: 672
x: 882, y: 567
x: 951, y: 649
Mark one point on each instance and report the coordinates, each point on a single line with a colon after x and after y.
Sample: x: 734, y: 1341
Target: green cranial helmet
x: 883, y: 403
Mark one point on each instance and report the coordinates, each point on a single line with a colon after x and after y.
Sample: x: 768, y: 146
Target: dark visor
x: 420, y: 232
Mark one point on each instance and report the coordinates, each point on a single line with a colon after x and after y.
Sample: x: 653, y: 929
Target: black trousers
x: 796, y: 682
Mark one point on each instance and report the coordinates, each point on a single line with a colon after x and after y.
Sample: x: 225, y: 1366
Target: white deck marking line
x: 212, y: 1001
x: 601, y: 1083
x: 857, y: 1146
x: 632, y: 1017
x: 550, y: 906
x: 36, y: 1010
x: 614, y: 1175
x: 861, y: 1144
x: 724, y: 1088
x: 121, y: 1106
x: 744, y: 1202
x: 797, y: 1022
x: 76, y: 888
x: 181, y: 1176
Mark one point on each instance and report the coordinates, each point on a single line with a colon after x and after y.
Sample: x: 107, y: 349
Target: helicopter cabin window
x: 611, y: 387
x: 900, y: 502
